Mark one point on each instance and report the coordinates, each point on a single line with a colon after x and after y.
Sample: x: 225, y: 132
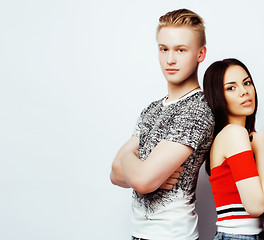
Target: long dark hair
x: 214, y: 93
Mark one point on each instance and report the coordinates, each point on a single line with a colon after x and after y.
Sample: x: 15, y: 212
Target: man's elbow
x: 115, y: 173
x: 112, y: 178
x: 143, y: 187
x: 118, y: 180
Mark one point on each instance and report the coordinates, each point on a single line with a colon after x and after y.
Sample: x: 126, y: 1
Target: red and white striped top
x: 232, y: 216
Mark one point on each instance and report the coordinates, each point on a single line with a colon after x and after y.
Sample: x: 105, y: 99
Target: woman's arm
x: 257, y: 145
x: 250, y: 189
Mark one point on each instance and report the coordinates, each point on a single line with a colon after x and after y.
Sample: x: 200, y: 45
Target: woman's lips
x: 246, y: 103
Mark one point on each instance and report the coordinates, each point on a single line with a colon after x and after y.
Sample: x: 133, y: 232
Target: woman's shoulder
x: 233, y: 130
x: 233, y: 138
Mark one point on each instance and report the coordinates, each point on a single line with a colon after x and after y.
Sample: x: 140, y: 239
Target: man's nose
x: 171, y: 58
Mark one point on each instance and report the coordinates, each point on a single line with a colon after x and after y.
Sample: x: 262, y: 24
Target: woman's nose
x: 243, y: 91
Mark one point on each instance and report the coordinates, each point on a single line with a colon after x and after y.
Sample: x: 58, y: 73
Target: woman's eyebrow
x: 235, y: 82
x: 245, y: 78
x: 230, y: 83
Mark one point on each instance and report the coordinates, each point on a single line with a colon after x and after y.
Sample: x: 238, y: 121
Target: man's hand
x: 172, y: 180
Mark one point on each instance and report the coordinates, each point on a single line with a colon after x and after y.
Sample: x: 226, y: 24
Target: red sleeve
x: 242, y: 165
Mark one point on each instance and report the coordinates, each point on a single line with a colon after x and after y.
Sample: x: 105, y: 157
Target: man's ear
x: 202, y: 54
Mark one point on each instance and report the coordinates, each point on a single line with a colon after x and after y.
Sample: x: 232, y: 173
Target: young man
x: 172, y: 132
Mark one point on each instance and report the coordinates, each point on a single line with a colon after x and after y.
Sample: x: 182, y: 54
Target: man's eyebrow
x: 177, y: 46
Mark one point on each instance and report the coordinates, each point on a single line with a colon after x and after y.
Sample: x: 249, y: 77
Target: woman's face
x: 239, y: 92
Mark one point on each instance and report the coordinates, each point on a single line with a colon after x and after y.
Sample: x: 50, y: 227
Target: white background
x: 75, y: 75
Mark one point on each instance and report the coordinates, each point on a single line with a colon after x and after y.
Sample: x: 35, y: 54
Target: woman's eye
x: 180, y: 50
x: 230, y: 88
x: 247, y: 83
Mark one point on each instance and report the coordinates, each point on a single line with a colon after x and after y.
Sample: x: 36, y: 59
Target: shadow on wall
x: 205, y: 207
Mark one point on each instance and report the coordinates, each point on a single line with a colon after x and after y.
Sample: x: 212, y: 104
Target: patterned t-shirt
x: 188, y: 121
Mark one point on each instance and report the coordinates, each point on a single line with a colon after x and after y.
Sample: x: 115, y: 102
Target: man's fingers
x: 166, y: 186
x: 175, y: 175
x: 179, y: 169
x: 171, y: 181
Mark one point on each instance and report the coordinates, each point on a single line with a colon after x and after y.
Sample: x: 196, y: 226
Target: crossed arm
x: 157, y: 171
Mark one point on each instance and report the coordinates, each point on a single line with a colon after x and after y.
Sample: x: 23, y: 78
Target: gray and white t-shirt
x: 164, y: 214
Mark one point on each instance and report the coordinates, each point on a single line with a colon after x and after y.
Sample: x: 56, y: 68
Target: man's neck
x: 178, y: 91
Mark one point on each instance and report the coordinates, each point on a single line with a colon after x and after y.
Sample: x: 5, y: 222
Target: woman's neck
x: 238, y: 120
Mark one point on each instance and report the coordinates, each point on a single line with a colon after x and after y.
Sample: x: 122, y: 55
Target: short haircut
x: 183, y: 17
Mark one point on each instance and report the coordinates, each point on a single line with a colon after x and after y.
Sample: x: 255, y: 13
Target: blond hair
x: 183, y: 17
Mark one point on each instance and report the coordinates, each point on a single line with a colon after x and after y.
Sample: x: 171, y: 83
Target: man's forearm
x: 116, y: 176
x: 131, y: 167
x: 147, y: 176
x: 128, y: 150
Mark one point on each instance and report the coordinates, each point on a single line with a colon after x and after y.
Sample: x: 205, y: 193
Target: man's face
x: 179, y: 53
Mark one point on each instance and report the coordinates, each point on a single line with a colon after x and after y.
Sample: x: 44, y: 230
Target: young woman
x: 236, y: 165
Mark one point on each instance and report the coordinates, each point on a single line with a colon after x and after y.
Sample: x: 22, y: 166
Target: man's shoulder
x: 154, y: 104
x: 197, y: 103
x: 198, y: 98
x: 196, y: 111
x: 159, y: 101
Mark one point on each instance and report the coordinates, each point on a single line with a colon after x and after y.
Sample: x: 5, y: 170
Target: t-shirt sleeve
x: 136, y: 131
x: 242, y: 165
x: 138, y: 126
x: 191, y: 125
